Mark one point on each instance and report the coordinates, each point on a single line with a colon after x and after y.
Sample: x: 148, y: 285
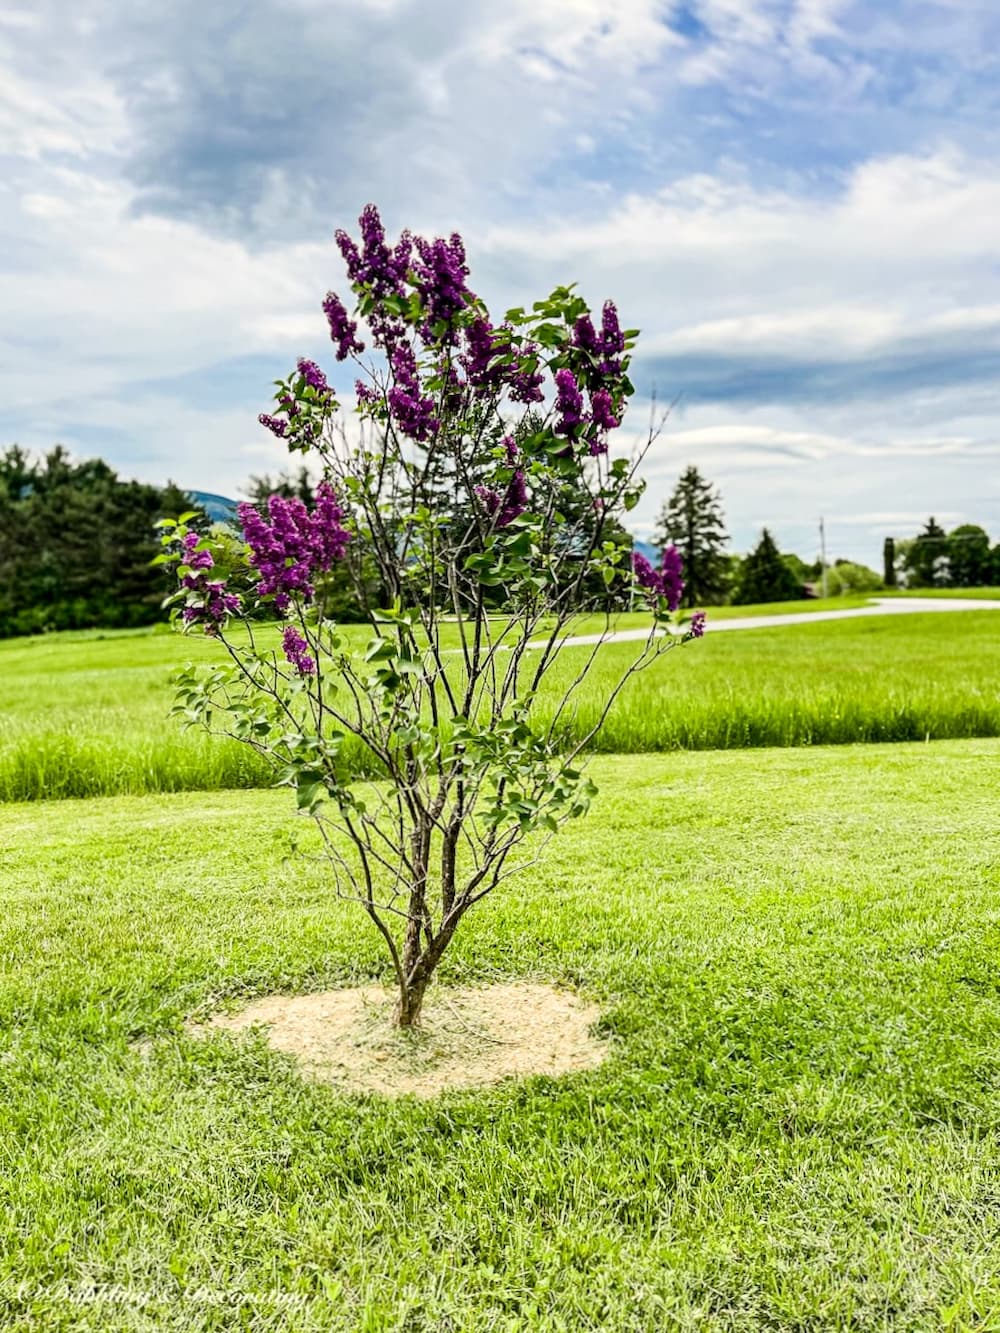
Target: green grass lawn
x: 85, y: 715
x: 795, y: 955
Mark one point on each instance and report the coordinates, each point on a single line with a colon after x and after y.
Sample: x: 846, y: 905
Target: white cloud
x: 815, y: 19
x: 574, y: 33
x: 898, y: 228
x: 117, y: 297
x: 122, y: 301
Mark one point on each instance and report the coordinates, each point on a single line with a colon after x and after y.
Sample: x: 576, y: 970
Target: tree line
x: 692, y: 519
x: 962, y: 558
x: 77, y: 541
x: 77, y: 544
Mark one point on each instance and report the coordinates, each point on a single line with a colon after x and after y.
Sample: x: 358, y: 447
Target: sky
x: 796, y: 201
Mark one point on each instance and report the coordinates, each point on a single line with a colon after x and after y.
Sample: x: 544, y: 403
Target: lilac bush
x: 473, y: 485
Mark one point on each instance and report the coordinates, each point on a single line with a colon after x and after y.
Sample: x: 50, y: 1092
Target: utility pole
x: 822, y: 551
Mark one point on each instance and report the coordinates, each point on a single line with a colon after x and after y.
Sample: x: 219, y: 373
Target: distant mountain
x: 218, y: 508
x: 651, y: 552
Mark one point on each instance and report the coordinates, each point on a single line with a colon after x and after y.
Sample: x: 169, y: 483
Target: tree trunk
x: 422, y: 967
x: 415, y: 970
x: 409, y: 1003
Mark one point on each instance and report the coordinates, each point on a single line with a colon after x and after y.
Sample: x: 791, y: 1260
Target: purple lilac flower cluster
x: 276, y: 425
x: 440, y: 277
x: 515, y: 501
x: 601, y: 363
x: 666, y: 582
x: 489, y: 371
x: 313, y: 376
x: 192, y: 557
x: 478, y: 361
x: 585, y: 336
x: 697, y: 626
x: 524, y: 379
x: 602, y: 410
x: 604, y: 348
x: 330, y: 537
x: 382, y: 270
x: 489, y: 497
x: 212, y: 603
x: 297, y: 651
x: 291, y: 548
x: 280, y: 426
x: 303, y: 421
x: 505, y: 506
x: 672, y: 576
x: 343, y: 329
x: 411, y: 411
x: 612, y: 340
x: 376, y: 265
x: 569, y: 403
x: 571, y: 415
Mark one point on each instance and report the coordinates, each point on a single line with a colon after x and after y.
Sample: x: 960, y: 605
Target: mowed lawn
x: 86, y: 714
x: 798, y: 1128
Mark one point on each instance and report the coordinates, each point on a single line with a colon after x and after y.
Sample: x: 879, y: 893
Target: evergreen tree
x: 927, y: 557
x: 692, y: 520
x: 76, y: 544
x: 765, y: 576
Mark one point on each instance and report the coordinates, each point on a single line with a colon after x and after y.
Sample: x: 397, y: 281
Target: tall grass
x: 86, y: 714
x: 933, y: 676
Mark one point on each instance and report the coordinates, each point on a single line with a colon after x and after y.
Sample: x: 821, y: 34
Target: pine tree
x: 692, y: 520
x: 765, y: 576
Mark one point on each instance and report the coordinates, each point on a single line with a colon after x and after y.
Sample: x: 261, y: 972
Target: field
x: 85, y: 714
x: 793, y: 951
x: 795, y: 955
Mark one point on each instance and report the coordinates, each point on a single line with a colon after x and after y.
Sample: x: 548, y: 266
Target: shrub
x: 478, y: 477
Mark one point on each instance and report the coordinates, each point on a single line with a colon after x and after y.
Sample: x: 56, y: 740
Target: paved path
x: 881, y: 606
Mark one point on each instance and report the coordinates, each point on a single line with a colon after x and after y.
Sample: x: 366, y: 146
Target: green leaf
x: 380, y: 650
